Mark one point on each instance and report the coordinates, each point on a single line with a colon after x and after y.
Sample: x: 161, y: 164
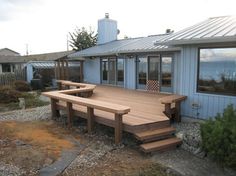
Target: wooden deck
x: 146, y: 109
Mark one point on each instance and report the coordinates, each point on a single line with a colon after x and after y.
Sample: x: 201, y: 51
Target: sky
x: 43, y: 25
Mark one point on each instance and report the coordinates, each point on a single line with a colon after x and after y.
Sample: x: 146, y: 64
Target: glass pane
x: 142, y: 71
x: 166, y: 71
x: 217, y: 70
x: 104, y: 69
x: 120, y: 70
x: 112, y: 71
x: 154, y: 68
x: 6, y: 68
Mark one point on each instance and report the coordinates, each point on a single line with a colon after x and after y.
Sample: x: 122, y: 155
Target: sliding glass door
x: 154, y: 73
x: 104, y: 65
x: 112, y: 71
x: 141, y: 73
x: 166, y: 74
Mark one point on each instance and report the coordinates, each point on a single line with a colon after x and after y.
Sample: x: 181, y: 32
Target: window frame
x: 8, y: 64
x: 198, y: 72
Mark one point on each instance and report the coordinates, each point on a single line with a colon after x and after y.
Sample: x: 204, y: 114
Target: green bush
x: 219, y: 137
x: 22, y: 86
x: 8, y: 94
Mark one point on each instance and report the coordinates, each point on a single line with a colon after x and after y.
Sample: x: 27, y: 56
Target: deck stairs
x: 162, y: 139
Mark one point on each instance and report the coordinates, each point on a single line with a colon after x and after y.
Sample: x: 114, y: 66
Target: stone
x: 180, y: 135
x: 19, y: 142
x: 48, y: 161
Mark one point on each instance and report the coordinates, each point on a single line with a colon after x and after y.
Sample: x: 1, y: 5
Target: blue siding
x: 130, y: 73
x: 92, y: 71
x: 210, y: 104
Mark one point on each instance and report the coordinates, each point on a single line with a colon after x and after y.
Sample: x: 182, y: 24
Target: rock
x: 19, y: 142
x: 180, y: 135
x: 48, y: 161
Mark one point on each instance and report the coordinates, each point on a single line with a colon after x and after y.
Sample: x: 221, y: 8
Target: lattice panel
x: 153, y: 85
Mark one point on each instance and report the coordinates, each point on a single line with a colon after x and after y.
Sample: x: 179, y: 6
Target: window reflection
x: 120, y: 70
x: 217, y: 70
x: 166, y: 71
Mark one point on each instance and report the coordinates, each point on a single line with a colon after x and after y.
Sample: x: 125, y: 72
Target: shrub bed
x: 22, y: 86
x: 8, y: 94
x: 219, y: 137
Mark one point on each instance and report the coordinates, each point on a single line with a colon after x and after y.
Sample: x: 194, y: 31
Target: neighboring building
x: 8, y: 52
x: 10, y: 61
x: 199, y: 62
x: 43, y: 64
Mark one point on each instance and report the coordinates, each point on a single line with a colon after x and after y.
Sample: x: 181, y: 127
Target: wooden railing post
x: 90, y: 114
x: 118, y: 128
x: 69, y: 111
x: 55, y: 112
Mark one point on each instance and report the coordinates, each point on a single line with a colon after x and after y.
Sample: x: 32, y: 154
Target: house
x: 8, y: 52
x: 10, y: 61
x: 199, y: 62
x: 44, y: 64
x: 27, y: 66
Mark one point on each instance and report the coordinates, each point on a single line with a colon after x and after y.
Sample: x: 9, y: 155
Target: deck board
x: 146, y: 108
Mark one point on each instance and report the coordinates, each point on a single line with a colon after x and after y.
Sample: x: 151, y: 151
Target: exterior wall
x: 130, y: 73
x: 210, y: 104
x: 29, y: 72
x: 92, y: 71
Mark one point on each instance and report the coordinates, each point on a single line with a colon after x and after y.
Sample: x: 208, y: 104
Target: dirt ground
x: 31, y: 146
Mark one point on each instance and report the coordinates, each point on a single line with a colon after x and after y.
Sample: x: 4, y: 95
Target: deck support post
x: 90, y: 118
x: 55, y: 112
x: 118, y: 128
x: 59, y: 85
x: 168, y: 110
x: 69, y: 111
x: 177, y: 113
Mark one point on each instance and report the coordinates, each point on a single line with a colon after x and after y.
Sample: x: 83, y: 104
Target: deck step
x: 151, y: 135
x: 161, y: 145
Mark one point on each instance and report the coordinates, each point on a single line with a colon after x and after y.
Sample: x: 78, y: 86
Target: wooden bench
x: 81, y: 89
x: 117, y: 110
x: 173, y: 111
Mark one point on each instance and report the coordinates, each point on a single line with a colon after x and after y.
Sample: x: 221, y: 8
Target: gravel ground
x: 39, y: 113
x: 100, y: 144
x: 189, y: 132
x: 7, y: 169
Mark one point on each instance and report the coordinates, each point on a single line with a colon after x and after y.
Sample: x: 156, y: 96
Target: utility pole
x: 67, y: 42
x: 27, y: 49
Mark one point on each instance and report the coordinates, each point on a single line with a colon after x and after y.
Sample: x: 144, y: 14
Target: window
x: 166, y: 71
x: 6, y: 68
x: 112, y: 71
x: 104, y: 70
x: 217, y: 71
x: 120, y: 70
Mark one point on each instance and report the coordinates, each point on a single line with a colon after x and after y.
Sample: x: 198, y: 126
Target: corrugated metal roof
x: 48, y: 56
x: 48, y: 65
x: 216, y: 29
x: 124, y: 46
x: 36, y: 57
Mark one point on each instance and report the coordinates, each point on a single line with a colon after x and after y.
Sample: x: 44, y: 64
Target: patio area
x: 146, y: 109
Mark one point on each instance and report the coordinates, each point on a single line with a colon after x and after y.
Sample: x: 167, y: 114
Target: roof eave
x: 127, y: 52
x: 200, y: 41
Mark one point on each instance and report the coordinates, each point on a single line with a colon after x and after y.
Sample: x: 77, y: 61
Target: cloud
x: 10, y: 9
